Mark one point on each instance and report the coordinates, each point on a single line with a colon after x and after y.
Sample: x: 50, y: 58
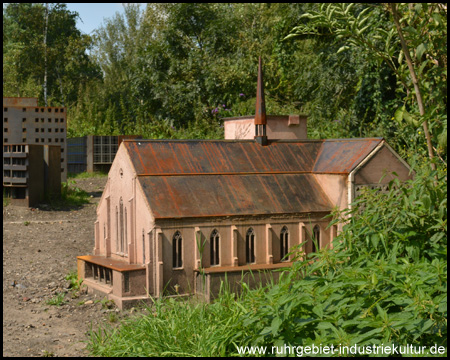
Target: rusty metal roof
x: 228, y: 195
x: 198, y: 178
x: 197, y: 157
x: 342, y: 156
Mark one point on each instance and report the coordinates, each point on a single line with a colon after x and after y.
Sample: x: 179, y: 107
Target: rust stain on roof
x: 163, y: 157
x: 343, y: 155
x: 198, y: 178
x: 228, y: 195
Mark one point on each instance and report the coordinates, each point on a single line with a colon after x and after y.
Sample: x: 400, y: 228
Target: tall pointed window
x: 214, y: 245
x: 125, y: 237
x: 143, y: 246
x: 250, y: 246
x: 117, y: 229
x: 177, y: 247
x: 121, y: 226
x: 316, y: 239
x: 284, y: 244
x: 104, y: 235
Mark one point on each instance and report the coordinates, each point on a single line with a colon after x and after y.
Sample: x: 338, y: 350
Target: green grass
x: 6, y: 199
x: 169, y: 328
x: 86, y: 175
x: 71, y: 196
x: 57, y: 300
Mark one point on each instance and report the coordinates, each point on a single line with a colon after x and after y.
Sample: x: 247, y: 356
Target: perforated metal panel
x: 76, y: 154
x: 105, y: 149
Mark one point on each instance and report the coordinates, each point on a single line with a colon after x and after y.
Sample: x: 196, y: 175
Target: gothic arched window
x: 117, y: 229
x: 143, y: 246
x: 284, y: 243
x: 125, y: 237
x: 121, y: 226
x: 250, y: 246
x: 214, y: 243
x: 316, y: 239
x: 177, y: 247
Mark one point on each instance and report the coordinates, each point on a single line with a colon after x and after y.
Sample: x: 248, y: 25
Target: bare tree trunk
x: 60, y: 85
x: 415, y: 83
x: 45, y: 54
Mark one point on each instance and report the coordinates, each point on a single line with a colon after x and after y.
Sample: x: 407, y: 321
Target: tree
x: 34, y: 42
x: 377, y: 31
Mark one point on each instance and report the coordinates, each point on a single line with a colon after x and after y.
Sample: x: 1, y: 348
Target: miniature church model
x: 179, y: 217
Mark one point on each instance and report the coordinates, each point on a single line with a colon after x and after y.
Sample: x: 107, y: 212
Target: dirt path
x: 39, y: 251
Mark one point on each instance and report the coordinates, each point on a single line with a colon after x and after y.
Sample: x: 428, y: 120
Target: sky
x: 92, y: 14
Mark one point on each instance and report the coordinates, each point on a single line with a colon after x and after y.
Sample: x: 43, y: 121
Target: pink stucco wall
x: 381, y: 166
x: 122, y: 187
x: 290, y: 127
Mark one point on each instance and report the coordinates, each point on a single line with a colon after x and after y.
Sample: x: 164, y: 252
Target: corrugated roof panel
x: 201, y: 157
x: 228, y: 195
x: 187, y: 178
x: 342, y: 156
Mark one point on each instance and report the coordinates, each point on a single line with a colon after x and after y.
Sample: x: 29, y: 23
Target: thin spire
x: 260, y: 114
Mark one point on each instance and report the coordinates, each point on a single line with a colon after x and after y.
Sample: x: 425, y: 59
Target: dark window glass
x: 214, y: 243
x: 316, y: 240
x: 250, y: 246
x: 284, y: 243
x: 177, y: 250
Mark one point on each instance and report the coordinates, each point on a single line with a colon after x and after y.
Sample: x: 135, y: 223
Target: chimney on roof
x: 260, y: 114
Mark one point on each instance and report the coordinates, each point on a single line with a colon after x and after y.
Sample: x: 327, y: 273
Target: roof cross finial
x: 260, y: 114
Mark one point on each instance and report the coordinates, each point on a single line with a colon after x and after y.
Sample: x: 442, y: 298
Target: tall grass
x: 71, y: 196
x: 86, y: 175
x: 170, y: 328
x: 6, y: 199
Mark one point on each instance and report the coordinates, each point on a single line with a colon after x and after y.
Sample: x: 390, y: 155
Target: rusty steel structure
x: 260, y: 113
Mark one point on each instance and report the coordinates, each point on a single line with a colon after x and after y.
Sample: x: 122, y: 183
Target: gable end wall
x: 383, y: 162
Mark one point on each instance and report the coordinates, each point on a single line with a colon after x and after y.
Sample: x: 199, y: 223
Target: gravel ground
x: 39, y: 250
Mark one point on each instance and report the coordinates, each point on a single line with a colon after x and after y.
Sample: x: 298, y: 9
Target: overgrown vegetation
x: 175, y: 70
x: 71, y: 196
x: 85, y: 175
x: 6, y: 199
x: 383, y: 282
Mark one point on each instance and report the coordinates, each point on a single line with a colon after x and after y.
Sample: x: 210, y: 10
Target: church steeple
x: 260, y: 114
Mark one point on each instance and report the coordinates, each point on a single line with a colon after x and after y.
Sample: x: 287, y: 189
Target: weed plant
x: 57, y: 300
x: 6, y: 199
x: 384, y: 282
x: 74, y: 283
x: 86, y: 175
x: 71, y: 196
